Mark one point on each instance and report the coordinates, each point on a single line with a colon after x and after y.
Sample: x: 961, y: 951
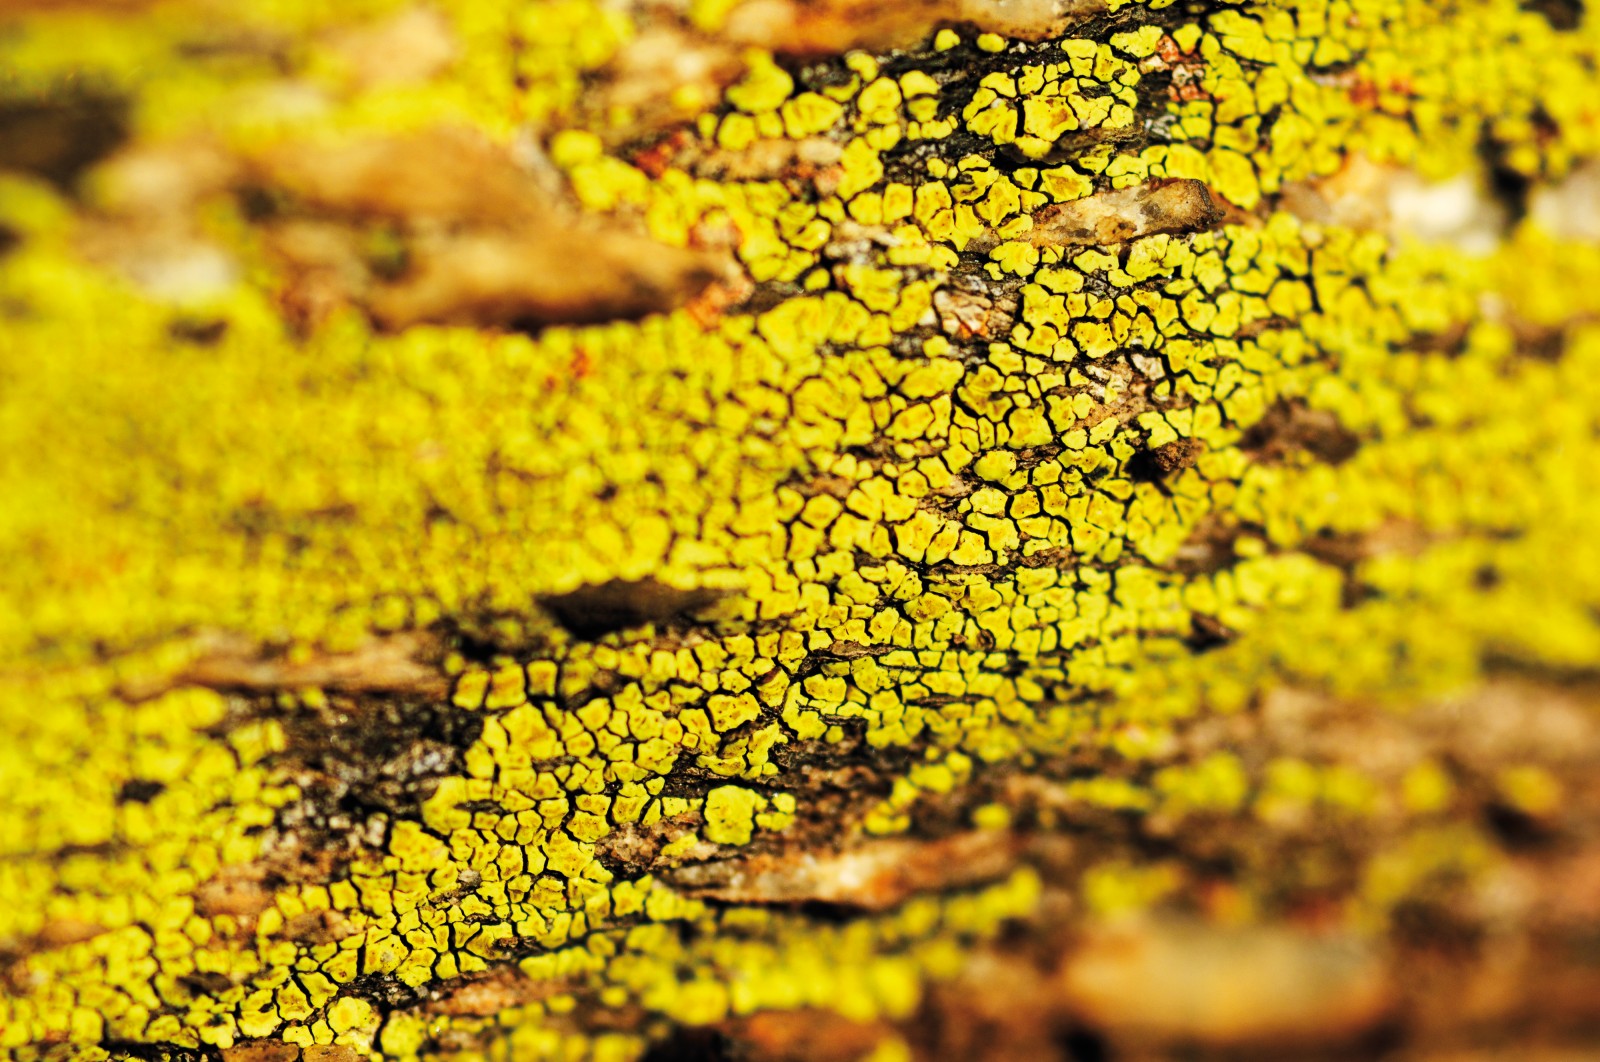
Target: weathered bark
x: 1060, y: 533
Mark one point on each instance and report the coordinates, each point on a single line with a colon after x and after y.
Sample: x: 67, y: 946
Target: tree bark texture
x: 799, y: 529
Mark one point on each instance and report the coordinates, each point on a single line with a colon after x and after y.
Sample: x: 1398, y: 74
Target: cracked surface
x: 554, y: 528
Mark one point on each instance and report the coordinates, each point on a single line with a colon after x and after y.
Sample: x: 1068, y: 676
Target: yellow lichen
x: 900, y: 515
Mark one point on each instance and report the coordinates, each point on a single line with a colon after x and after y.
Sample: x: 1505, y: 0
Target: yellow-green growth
x: 908, y: 521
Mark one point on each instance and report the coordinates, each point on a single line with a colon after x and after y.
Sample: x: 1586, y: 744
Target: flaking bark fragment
x: 398, y: 663
x: 1166, y: 206
x: 821, y: 27
x: 1173, y: 981
x: 480, y: 240
x: 874, y: 876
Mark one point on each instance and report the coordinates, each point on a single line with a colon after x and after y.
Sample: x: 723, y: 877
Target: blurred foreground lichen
x: 782, y: 529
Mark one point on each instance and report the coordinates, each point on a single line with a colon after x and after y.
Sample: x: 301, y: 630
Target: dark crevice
x: 1290, y: 426
x: 59, y: 137
x: 200, y: 331
x: 384, y: 990
x: 1154, y: 466
x: 1510, y: 186
x: 140, y: 791
x: 146, y: 1052
x: 360, y: 764
x: 1516, y: 829
x: 1561, y: 14
x: 1085, y: 1045
x: 690, y: 1045
x: 1207, y: 633
x: 591, y: 612
x: 381, y: 754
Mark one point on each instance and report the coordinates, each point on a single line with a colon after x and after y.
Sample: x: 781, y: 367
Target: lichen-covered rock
x: 565, y: 528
